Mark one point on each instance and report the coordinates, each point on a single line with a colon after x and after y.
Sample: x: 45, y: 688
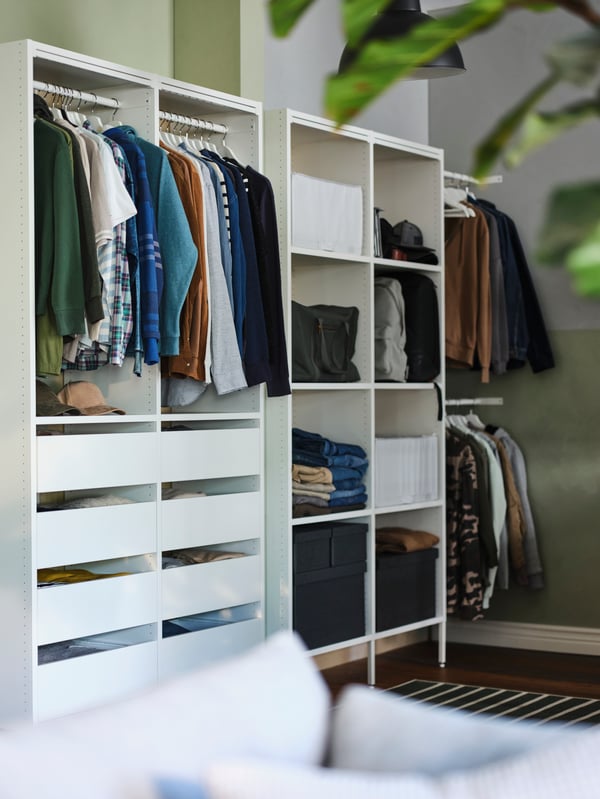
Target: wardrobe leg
x: 442, y: 645
x: 371, y: 664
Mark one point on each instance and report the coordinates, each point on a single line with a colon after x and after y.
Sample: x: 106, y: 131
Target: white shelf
x: 405, y: 179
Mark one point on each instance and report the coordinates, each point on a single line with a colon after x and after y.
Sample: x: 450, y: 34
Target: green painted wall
x: 554, y: 418
x: 207, y: 33
x: 136, y: 33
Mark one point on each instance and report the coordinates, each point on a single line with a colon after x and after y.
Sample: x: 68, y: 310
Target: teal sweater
x: 179, y: 253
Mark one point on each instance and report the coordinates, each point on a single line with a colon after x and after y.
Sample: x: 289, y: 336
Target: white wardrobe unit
x: 405, y: 180
x: 213, y: 446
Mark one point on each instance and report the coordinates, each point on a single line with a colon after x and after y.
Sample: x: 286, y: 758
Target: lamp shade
x: 396, y: 21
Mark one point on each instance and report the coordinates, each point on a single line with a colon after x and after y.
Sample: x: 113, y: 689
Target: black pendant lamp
x: 398, y: 19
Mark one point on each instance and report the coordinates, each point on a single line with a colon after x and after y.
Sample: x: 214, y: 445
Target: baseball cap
x: 87, y: 397
x: 48, y: 404
x: 406, y: 236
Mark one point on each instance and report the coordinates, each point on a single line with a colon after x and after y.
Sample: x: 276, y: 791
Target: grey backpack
x: 390, y: 331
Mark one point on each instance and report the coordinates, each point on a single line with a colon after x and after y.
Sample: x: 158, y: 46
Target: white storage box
x: 326, y: 215
x: 406, y: 470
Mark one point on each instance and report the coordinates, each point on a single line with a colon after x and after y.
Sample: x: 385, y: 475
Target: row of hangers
x: 469, y: 421
x: 69, y: 104
x: 458, y: 191
x: 198, y: 134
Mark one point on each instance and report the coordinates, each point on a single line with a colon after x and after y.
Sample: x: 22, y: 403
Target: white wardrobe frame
x: 133, y: 455
x: 405, y: 179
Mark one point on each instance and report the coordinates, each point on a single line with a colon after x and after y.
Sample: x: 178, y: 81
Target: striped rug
x: 501, y: 703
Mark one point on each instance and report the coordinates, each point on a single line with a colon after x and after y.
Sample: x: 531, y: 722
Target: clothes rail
x: 476, y: 401
x: 462, y: 179
x: 76, y: 95
x: 193, y: 122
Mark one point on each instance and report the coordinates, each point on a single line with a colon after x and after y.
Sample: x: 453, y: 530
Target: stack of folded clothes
x: 327, y: 476
x: 403, y: 539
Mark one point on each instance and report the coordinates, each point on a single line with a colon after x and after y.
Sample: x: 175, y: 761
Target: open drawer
x: 70, y: 685
x: 80, y: 609
x: 194, y: 649
x: 205, y: 454
x: 70, y: 462
x: 211, y: 520
x: 206, y: 586
x: 81, y: 535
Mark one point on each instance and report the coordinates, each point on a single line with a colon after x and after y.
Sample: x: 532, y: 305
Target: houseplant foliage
x: 571, y: 230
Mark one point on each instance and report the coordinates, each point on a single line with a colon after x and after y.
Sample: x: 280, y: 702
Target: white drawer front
x: 80, y: 609
x: 97, y: 460
x: 211, y: 520
x: 203, y: 454
x: 88, y: 534
x: 70, y: 685
x: 209, y: 586
x: 182, y: 653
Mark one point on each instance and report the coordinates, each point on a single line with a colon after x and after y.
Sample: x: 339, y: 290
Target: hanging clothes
x: 60, y: 295
x: 163, y: 254
x: 468, y: 303
x: 179, y: 254
x: 486, y: 249
x: 150, y: 274
x: 491, y: 533
x: 262, y: 206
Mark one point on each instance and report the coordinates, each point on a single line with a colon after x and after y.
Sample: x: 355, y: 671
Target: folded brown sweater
x: 403, y: 539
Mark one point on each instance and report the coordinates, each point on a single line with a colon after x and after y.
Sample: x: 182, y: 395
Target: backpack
x: 390, y: 331
x: 421, y: 314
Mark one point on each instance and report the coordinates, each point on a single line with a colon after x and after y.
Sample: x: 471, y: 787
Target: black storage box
x: 329, y: 582
x: 405, y: 588
x: 329, y: 604
x: 319, y: 546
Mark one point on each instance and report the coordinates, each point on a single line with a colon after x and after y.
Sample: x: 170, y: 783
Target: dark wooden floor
x: 496, y: 667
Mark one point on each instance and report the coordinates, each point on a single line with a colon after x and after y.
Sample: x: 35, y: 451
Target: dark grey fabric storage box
x: 329, y: 604
x: 318, y: 546
x: 312, y: 548
x: 348, y: 543
x: 329, y: 581
x: 405, y: 588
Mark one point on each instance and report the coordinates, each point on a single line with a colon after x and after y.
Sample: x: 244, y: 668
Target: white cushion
x: 269, y: 702
x: 40, y: 763
x: 560, y: 771
x: 374, y: 730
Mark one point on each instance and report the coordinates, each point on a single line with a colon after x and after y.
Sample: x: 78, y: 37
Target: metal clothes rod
x: 459, y: 177
x: 476, y: 401
x: 76, y: 95
x: 193, y: 122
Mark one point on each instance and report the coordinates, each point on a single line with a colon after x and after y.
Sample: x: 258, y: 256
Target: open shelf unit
x: 405, y: 180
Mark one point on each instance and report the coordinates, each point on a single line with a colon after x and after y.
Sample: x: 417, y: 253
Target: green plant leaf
x: 284, y: 14
x: 540, y: 8
x: 380, y: 63
x: 489, y: 150
x: 571, y: 215
x: 577, y: 59
x: 358, y: 16
x: 583, y: 263
x: 540, y: 128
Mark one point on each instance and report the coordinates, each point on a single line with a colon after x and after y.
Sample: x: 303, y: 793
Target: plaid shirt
x: 115, y: 329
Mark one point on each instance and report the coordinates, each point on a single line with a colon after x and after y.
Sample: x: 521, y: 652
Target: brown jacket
x: 468, y: 302
x: 194, y: 313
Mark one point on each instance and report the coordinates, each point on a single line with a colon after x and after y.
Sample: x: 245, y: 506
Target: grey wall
x: 501, y: 65
x: 283, y: 73
x: 296, y: 67
x: 553, y: 414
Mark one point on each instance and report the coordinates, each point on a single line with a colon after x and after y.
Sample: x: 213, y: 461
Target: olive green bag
x: 323, y: 342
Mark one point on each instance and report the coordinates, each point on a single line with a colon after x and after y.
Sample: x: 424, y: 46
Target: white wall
x: 296, y: 67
